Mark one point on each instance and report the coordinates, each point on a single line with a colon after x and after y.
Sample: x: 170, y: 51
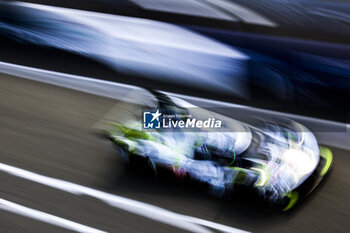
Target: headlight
x: 303, y: 163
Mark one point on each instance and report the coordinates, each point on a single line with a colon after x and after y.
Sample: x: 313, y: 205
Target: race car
x: 280, y: 162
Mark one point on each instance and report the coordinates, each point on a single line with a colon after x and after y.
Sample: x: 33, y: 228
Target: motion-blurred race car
x: 281, y: 163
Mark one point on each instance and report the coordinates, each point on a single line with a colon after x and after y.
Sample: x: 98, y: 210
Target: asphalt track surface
x: 47, y: 130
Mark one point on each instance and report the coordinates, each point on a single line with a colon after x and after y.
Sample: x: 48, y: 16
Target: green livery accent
x: 131, y: 133
x: 327, y: 154
x: 293, y: 198
x: 128, y: 145
x: 234, y: 158
x: 265, y: 175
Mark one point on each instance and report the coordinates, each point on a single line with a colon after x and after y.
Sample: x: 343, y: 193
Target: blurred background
x: 282, y: 55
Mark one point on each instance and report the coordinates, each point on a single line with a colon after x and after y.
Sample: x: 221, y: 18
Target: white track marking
x: 47, y: 218
x: 155, y: 213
